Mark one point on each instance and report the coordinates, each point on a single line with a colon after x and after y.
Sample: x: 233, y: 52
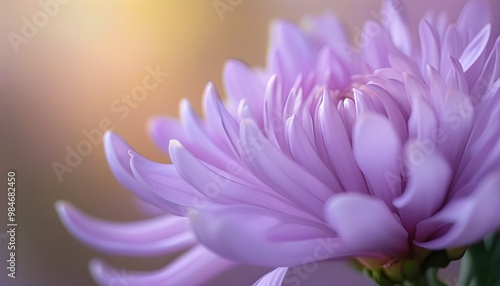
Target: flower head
x: 386, y: 151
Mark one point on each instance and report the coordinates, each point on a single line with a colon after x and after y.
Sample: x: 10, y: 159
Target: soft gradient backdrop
x: 65, y: 79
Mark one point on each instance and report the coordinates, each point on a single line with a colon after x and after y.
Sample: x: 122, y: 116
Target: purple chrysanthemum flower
x: 387, y: 152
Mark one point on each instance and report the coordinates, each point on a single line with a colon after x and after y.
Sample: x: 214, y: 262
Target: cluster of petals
x: 371, y: 147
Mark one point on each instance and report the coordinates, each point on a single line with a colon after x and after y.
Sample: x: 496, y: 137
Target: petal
x: 164, y: 183
x: 339, y: 148
x: 281, y: 173
x: 422, y: 124
x: 397, y: 24
x: 430, y: 45
x: 395, y: 112
x: 221, y: 121
x: 366, y: 223
x: 257, y: 236
x: 162, y: 129
x: 117, y: 154
x: 273, y: 278
x: 221, y: 187
x: 331, y: 70
x: 304, y: 153
x: 196, y: 129
x: 377, y: 149
x: 158, y: 236
x: 465, y: 220
x: 195, y: 267
x: 489, y: 75
x: 475, y: 48
x: 429, y: 175
x: 290, y: 54
x: 326, y: 273
x: 376, y: 44
x: 327, y: 29
x: 240, y: 82
x: 456, y: 78
x: 474, y: 16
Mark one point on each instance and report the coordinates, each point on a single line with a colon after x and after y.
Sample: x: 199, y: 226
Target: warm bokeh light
x: 73, y: 71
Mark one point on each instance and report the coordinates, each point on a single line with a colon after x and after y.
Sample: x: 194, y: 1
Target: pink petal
x: 430, y: 45
x: 281, y: 173
x: 377, y: 149
x: 465, y: 220
x: 195, y: 267
x: 219, y: 186
x: 117, y: 154
x: 397, y: 24
x: 164, y: 183
x: 326, y: 273
x: 429, y: 175
x: 366, y: 223
x: 339, y: 148
x: 158, y: 236
x: 304, y: 153
x: 290, y: 53
x: 263, y: 237
x: 240, y: 82
x: 474, y: 16
x: 273, y: 278
x: 475, y: 48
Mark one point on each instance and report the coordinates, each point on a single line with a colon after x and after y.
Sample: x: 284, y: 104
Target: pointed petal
x: 164, y: 183
x: 281, y: 173
x: 304, y: 153
x: 331, y: 70
x: 240, y: 82
x: 339, y: 148
x: 219, y: 186
x: 158, y: 236
x: 290, y: 49
x: 117, y: 154
x: 429, y: 40
x: 489, y: 75
x: 475, y: 48
x: 195, y: 267
x: 220, y: 119
x: 162, y: 129
x: 273, y: 278
x: 463, y: 221
x: 422, y: 124
x: 366, y: 223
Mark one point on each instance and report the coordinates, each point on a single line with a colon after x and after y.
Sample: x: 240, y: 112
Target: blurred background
x: 70, y: 72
